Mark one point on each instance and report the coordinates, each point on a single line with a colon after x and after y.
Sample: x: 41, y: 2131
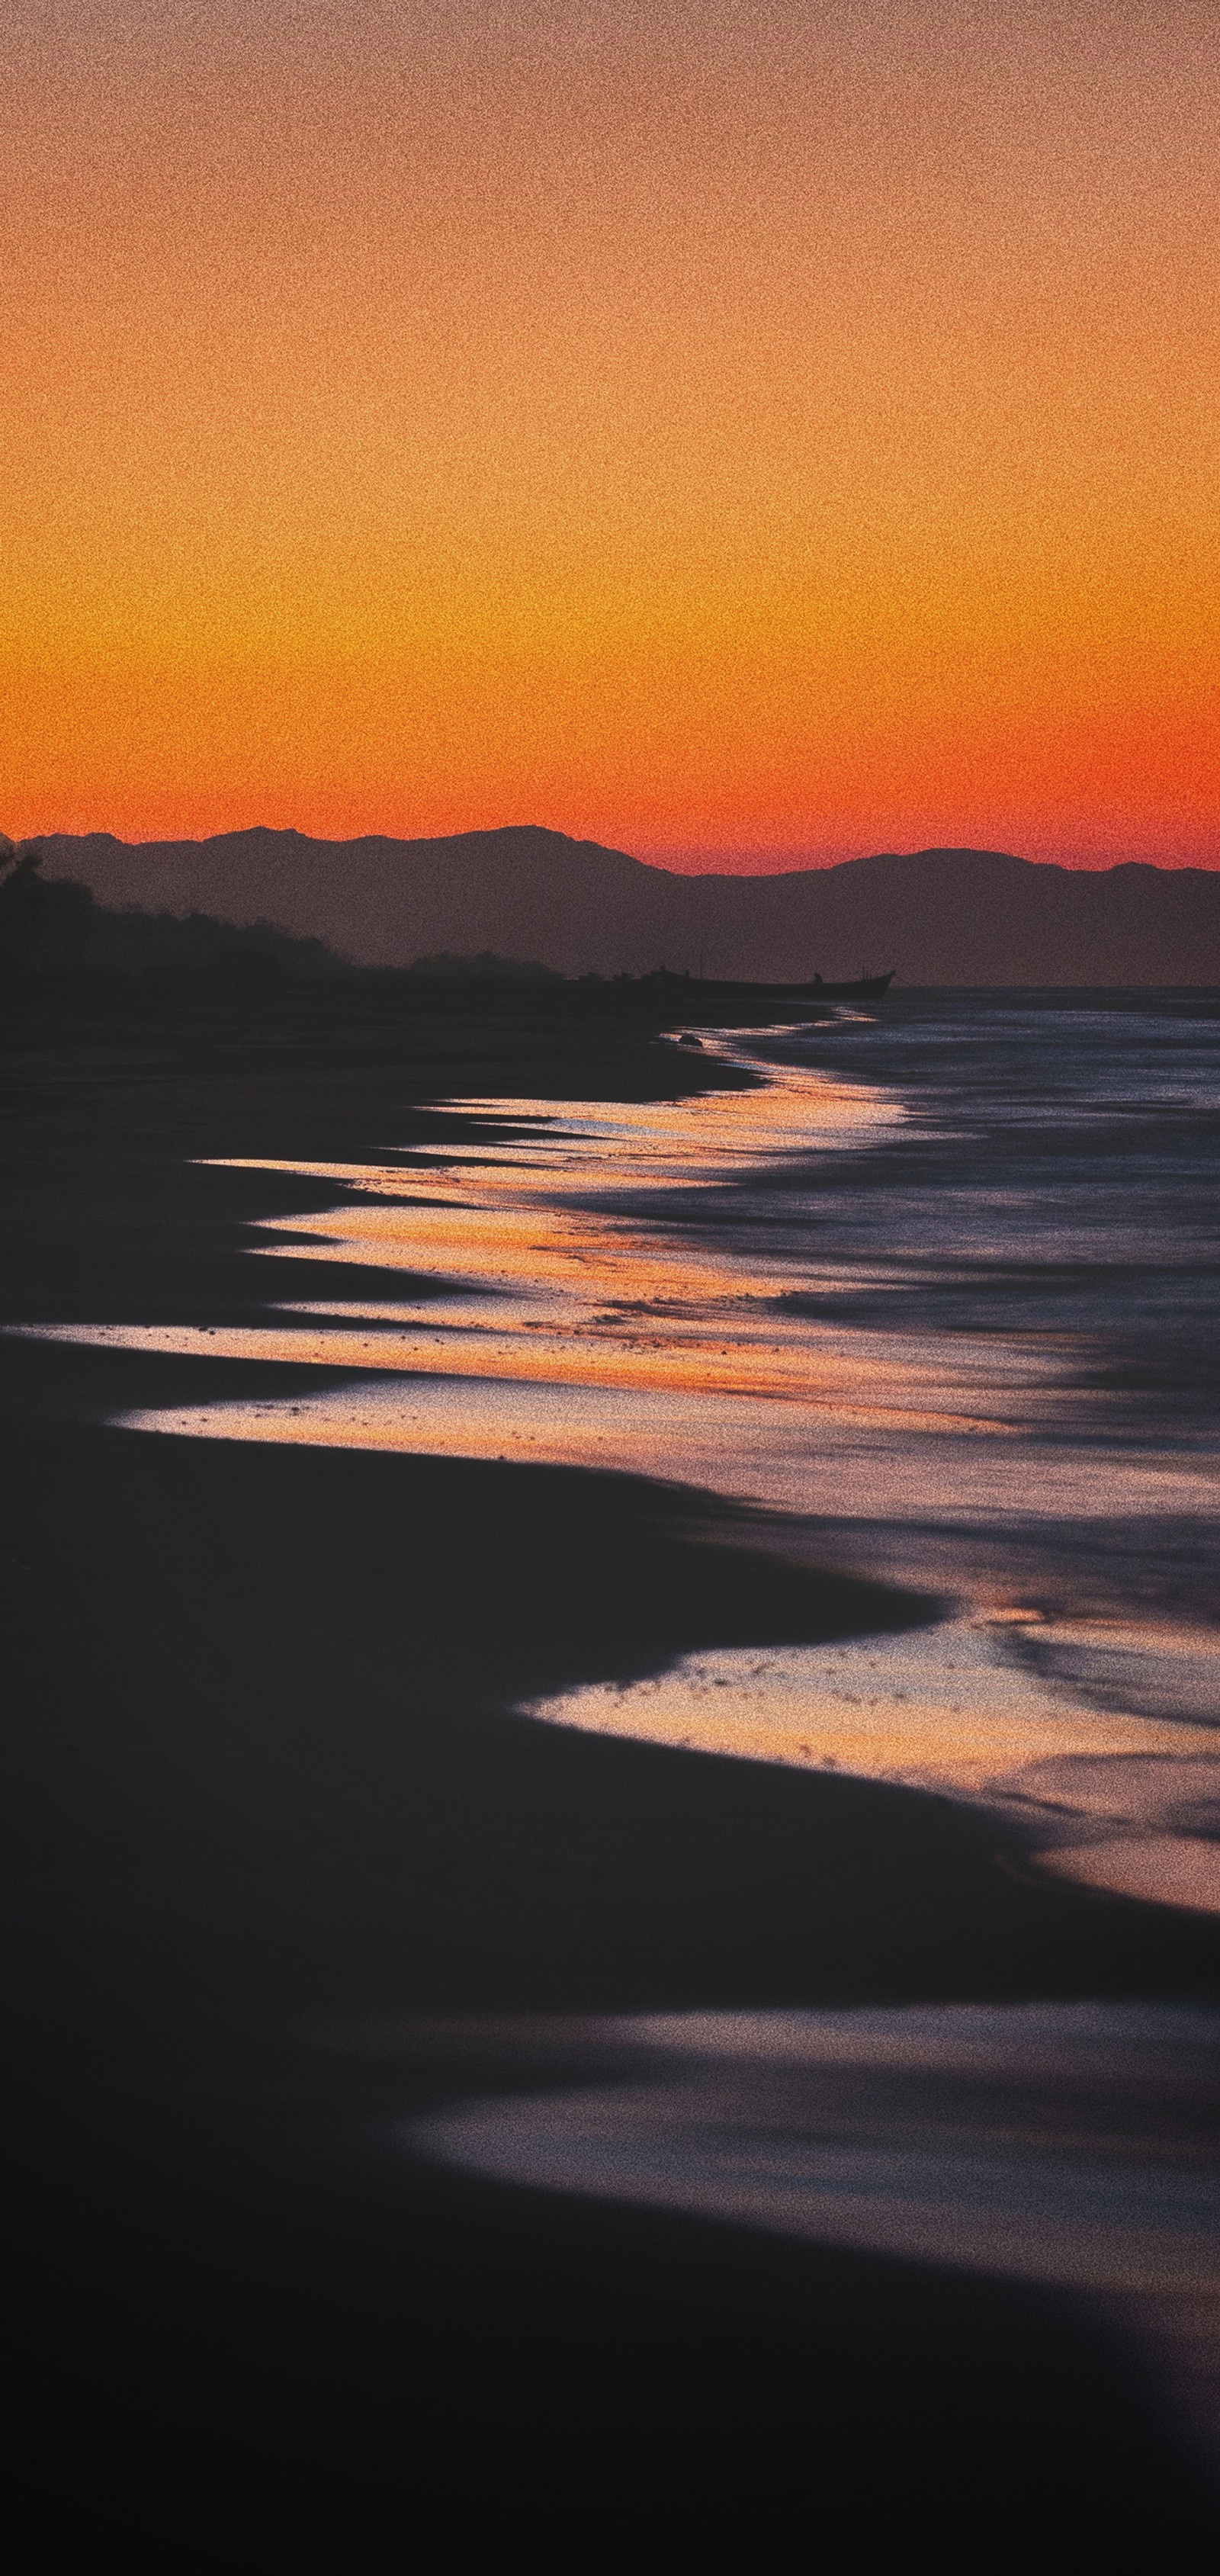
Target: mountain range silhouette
x: 939, y: 916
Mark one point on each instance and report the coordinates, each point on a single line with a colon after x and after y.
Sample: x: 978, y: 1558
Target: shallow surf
x: 941, y: 1293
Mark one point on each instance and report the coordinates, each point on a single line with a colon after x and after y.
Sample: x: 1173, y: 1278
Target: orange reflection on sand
x: 1112, y: 1796
x: 950, y: 1707
x: 531, y: 1211
x: 559, y: 1285
x: 580, y: 1300
x: 679, y: 1365
x: 573, y: 1291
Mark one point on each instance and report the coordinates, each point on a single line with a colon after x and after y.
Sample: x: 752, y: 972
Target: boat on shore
x: 703, y: 992
x: 866, y: 988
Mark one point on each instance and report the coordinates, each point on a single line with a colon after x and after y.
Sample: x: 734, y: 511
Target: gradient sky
x: 750, y: 432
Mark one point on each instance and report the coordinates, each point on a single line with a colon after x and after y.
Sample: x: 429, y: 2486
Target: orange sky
x: 748, y: 432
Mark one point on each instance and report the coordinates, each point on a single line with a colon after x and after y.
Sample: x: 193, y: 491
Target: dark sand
x: 270, y: 1817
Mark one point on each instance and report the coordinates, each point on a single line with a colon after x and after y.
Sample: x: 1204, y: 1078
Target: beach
x: 296, y: 1876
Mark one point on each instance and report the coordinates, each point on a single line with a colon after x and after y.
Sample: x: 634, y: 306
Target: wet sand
x: 283, y: 1860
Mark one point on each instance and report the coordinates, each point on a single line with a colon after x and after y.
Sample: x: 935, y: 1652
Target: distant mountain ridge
x: 938, y: 916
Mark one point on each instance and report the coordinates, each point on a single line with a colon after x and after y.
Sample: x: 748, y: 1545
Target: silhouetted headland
x: 945, y: 916
x: 65, y: 954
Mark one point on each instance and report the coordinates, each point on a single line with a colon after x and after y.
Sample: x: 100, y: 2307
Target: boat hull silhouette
x: 704, y: 991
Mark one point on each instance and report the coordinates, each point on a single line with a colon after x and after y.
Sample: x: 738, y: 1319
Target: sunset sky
x: 751, y: 433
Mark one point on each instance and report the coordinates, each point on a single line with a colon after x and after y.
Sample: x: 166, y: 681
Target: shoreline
x: 268, y: 1783
x: 119, y: 1220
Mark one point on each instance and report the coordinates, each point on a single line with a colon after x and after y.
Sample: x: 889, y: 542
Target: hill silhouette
x: 939, y: 916
x: 58, y: 927
x: 64, y: 952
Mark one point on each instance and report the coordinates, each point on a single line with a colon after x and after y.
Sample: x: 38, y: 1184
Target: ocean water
x: 940, y: 1296
x: 937, y: 1300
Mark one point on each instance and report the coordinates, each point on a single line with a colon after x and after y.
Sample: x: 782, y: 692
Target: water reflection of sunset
x: 556, y: 1237
x: 642, y: 1286
x: 653, y: 1288
x: 960, y: 1708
